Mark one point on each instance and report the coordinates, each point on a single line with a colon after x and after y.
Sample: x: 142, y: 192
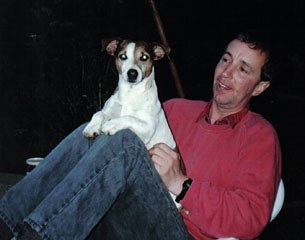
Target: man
x: 231, y: 155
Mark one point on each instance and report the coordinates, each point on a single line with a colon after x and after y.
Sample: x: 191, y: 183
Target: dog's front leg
x: 142, y: 127
x: 110, y: 110
x: 94, y: 127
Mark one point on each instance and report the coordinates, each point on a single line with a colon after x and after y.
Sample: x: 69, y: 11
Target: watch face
x: 188, y: 183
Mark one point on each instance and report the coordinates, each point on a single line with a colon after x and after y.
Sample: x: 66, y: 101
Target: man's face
x: 237, y: 76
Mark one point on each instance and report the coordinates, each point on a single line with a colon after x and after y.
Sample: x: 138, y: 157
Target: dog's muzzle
x: 132, y: 75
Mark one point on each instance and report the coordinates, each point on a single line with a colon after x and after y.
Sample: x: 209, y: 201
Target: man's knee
x: 128, y: 137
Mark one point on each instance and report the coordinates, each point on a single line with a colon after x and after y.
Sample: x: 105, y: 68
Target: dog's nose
x: 132, y: 75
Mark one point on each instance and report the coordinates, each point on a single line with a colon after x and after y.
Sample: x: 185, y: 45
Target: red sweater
x: 235, y: 171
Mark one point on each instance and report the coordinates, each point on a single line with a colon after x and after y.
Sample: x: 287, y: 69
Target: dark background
x: 53, y: 75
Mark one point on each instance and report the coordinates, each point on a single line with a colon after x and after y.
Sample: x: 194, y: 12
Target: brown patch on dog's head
x: 144, y: 56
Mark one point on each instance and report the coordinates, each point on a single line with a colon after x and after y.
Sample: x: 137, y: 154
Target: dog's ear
x: 160, y: 50
x: 110, y: 45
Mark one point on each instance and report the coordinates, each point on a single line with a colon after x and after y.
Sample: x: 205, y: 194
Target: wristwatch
x: 185, y: 187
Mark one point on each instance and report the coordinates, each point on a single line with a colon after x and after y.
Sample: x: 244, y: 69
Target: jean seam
x: 171, y: 205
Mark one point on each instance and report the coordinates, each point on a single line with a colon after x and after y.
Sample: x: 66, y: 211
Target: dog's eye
x: 144, y: 58
x: 123, y: 56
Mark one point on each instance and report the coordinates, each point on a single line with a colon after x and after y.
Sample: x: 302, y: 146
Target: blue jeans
x: 109, y: 182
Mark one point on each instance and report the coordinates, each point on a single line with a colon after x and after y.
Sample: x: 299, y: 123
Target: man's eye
x: 243, y: 70
x: 123, y: 56
x: 144, y: 58
x: 225, y: 60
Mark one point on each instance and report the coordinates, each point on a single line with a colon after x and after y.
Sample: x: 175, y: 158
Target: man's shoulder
x: 256, y: 121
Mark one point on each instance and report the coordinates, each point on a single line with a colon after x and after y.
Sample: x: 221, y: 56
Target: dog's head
x: 134, y: 59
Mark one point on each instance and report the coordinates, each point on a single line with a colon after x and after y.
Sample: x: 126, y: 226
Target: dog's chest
x: 138, y: 107
x: 137, y: 103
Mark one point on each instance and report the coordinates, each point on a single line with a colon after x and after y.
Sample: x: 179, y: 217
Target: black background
x: 53, y: 75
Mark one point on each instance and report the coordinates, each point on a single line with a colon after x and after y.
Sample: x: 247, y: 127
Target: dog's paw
x: 110, y: 128
x: 91, y: 131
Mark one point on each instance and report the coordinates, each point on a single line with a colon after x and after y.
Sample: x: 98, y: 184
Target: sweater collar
x: 231, y: 119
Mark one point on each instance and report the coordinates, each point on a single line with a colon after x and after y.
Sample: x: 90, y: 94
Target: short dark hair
x: 259, y: 41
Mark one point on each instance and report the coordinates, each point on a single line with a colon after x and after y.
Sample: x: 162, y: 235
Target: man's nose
x: 228, y: 70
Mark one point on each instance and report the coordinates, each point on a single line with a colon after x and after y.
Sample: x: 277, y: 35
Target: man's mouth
x: 222, y: 86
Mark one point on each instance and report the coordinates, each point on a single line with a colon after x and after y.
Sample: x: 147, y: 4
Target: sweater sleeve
x: 242, y: 207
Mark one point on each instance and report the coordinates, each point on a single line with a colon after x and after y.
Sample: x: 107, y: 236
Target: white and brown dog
x: 135, y: 104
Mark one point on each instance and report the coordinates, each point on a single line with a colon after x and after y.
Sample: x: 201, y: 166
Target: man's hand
x: 169, y: 165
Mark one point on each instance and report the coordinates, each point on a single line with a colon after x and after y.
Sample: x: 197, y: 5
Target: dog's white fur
x: 135, y: 104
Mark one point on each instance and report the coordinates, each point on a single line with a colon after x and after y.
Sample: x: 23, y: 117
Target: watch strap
x: 185, y: 187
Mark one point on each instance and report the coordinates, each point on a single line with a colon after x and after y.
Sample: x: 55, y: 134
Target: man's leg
x: 144, y: 210
x: 115, y: 174
x: 22, y: 198
x: 100, y: 183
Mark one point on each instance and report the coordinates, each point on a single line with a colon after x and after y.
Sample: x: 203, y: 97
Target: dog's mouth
x: 132, y: 80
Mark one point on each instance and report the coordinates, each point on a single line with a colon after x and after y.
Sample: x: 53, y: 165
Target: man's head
x: 242, y: 72
x: 258, y: 42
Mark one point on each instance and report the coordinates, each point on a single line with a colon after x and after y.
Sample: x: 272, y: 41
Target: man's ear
x: 260, y: 87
